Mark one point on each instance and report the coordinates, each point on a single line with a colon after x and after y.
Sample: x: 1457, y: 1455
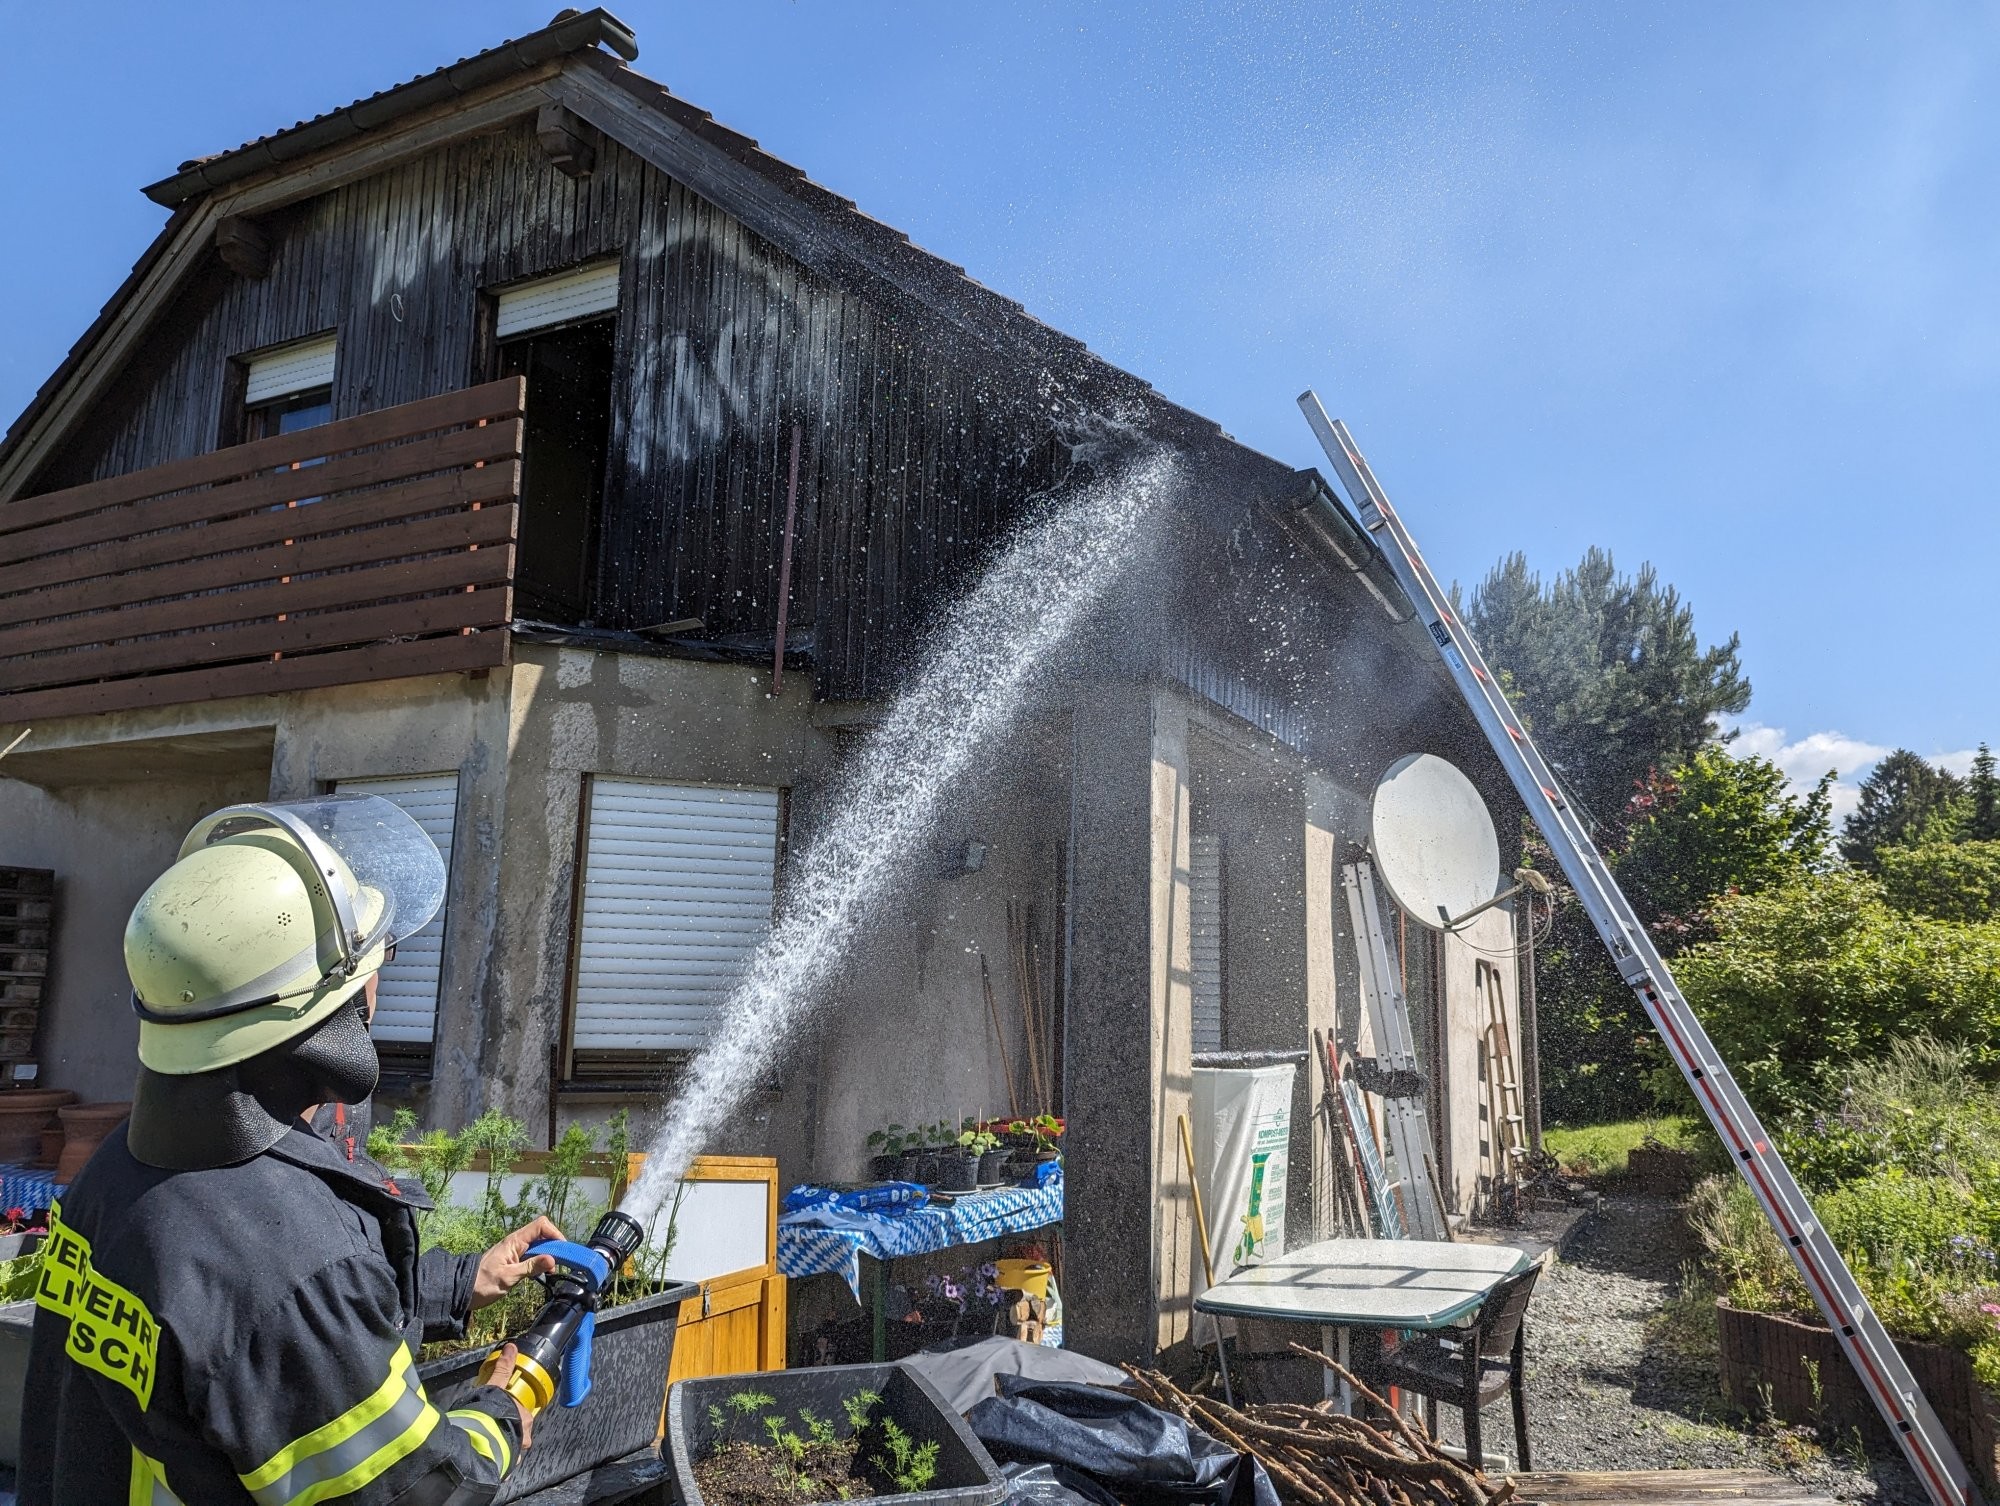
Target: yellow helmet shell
x: 245, y: 918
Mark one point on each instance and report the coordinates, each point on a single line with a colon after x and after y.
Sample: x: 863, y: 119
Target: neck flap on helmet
x: 221, y: 1118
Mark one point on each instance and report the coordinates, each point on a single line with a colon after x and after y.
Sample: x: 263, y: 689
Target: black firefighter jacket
x: 247, y: 1333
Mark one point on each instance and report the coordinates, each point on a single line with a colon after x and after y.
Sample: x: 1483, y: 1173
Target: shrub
x: 1958, y: 881
x: 1821, y: 972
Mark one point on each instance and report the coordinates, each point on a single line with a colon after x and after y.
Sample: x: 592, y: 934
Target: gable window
x: 559, y: 332
x: 678, y: 886
x: 288, y: 388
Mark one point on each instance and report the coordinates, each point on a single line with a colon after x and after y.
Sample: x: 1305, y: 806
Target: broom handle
x: 1194, y: 1186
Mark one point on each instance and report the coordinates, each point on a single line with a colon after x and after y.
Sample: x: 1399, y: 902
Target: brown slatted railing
x: 366, y: 549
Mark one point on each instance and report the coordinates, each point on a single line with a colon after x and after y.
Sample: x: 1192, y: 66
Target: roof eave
x: 577, y: 33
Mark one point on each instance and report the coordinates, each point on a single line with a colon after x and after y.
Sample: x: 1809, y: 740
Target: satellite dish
x: 1434, y: 842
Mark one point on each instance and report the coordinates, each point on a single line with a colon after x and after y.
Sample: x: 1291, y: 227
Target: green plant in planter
x: 435, y: 1158
x: 911, y: 1465
x: 893, y: 1140
x: 980, y: 1142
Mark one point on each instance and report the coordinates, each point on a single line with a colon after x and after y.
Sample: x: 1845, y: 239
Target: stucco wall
x: 106, y: 843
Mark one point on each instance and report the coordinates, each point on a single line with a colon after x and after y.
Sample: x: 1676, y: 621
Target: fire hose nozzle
x: 552, y: 1354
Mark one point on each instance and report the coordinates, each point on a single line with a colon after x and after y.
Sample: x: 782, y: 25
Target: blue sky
x: 1710, y: 285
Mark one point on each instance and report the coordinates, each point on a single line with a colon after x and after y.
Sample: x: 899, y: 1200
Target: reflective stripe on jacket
x: 246, y: 1334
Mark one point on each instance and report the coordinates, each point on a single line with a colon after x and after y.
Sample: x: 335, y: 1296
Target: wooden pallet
x: 1662, y: 1487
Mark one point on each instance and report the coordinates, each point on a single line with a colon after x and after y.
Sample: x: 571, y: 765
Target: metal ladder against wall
x: 1881, y: 1369
x: 1407, y: 1124
x: 1505, y: 1124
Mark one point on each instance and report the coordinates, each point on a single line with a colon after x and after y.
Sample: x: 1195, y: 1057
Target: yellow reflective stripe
x: 376, y: 1464
x: 345, y: 1426
x: 354, y: 1448
x: 148, y: 1485
x: 479, y: 1427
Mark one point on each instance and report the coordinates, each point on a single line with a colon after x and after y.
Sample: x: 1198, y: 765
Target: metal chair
x: 1469, y: 1368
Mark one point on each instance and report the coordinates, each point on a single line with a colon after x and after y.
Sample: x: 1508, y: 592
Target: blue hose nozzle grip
x: 574, y: 1385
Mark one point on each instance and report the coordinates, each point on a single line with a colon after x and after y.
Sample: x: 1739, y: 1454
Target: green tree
x: 1945, y: 880
x: 1720, y: 824
x: 1607, y: 670
x: 1904, y: 801
x: 1717, y: 825
x: 1982, y: 789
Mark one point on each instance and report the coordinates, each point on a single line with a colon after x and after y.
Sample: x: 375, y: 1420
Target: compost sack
x: 1137, y: 1453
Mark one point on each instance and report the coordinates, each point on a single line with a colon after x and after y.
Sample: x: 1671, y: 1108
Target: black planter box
x: 628, y: 1377
x: 966, y: 1474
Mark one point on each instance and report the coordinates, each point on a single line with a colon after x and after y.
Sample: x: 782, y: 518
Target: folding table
x: 1342, y: 1284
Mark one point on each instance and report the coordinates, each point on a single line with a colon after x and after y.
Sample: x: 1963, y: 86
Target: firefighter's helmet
x: 272, y: 918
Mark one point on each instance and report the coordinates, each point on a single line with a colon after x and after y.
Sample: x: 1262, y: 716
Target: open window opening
x: 560, y: 333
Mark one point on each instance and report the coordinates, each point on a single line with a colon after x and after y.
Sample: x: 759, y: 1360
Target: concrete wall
x: 1128, y: 1226
x: 106, y: 843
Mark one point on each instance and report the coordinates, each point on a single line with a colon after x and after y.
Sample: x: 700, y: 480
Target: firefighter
x: 230, y: 1304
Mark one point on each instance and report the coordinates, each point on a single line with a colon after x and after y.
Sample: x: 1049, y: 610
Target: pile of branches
x: 1319, y: 1457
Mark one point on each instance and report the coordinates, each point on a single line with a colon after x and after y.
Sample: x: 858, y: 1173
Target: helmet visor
x: 381, y: 845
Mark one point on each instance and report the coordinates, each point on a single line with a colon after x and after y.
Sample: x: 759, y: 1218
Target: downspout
x: 785, y: 570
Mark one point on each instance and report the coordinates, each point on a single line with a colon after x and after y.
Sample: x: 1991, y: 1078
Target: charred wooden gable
x: 920, y: 445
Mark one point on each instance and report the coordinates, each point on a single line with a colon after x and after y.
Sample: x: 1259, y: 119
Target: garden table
x: 1342, y: 1284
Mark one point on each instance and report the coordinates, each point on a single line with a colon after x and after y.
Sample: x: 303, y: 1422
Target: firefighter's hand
x: 503, y: 1371
x: 503, y: 1267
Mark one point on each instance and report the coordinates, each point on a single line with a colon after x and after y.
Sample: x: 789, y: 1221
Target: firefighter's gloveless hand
x: 508, y: 1263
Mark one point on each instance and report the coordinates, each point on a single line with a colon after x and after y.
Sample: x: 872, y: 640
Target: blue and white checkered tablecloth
x: 26, y: 1187
x: 807, y: 1245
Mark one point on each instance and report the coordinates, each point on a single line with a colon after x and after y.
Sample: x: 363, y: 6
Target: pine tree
x: 1904, y: 800
x: 1608, y: 672
x: 1982, y: 822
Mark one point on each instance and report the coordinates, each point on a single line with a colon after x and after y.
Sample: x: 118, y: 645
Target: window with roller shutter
x: 406, y: 999
x: 678, y: 885
x: 1206, y: 941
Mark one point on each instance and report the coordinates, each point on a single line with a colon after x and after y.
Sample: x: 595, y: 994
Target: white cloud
x: 1806, y: 758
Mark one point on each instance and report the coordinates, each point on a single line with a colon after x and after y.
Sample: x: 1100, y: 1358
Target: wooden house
x: 523, y: 445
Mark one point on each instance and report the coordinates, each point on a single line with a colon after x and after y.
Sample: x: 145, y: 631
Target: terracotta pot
x: 24, y: 1114
x: 84, y: 1127
x: 52, y: 1144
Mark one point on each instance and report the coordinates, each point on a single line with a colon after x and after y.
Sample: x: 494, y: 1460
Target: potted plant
x: 980, y: 1141
x: 18, y: 1278
x: 934, y: 1140
x: 791, y: 1437
x: 889, y: 1144
x: 634, y: 1341
x: 1036, y: 1143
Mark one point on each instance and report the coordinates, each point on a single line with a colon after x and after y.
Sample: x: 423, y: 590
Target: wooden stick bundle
x: 1317, y: 1457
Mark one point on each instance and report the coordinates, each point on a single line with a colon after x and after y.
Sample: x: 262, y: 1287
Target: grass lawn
x: 1601, y: 1149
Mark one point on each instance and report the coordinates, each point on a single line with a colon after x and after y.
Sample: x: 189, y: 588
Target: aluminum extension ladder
x: 1881, y: 1369
x: 1406, y: 1124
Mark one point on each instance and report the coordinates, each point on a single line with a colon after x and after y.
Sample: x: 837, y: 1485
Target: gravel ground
x: 1622, y: 1373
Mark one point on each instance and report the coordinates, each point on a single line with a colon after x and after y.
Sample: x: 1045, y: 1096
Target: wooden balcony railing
x: 361, y: 550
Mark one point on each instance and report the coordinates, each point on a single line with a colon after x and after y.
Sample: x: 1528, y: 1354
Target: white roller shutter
x: 678, y: 882
x: 406, y: 998
x: 290, y: 368
x: 555, y: 300
x: 1205, y: 921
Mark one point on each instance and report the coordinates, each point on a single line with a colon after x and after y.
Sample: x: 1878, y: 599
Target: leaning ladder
x: 1406, y: 1124
x: 1876, y: 1361
x: 1503, y: 1146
